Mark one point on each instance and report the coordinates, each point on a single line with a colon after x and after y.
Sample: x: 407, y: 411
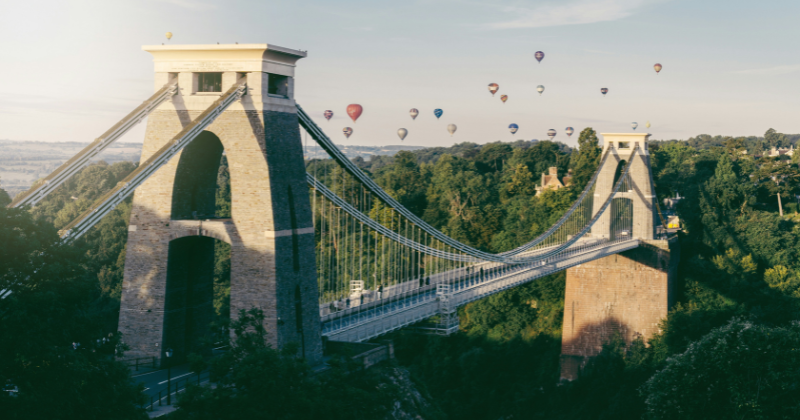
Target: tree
x: 588, y: 158
x: 51, y: 308
x: 253, y: 381
x: 403, y: 180
x: 779, y: 178
x: 775, y: 139
x: 522, y: 182
x: 722, y: 199
x: 5, y: 199
x: 741, y: 370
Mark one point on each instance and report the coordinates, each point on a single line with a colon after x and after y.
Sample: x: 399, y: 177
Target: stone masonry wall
x: 629, y: 293
x: 271, y: 235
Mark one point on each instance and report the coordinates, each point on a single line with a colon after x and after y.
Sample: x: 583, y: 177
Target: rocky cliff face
x: 411, y: 403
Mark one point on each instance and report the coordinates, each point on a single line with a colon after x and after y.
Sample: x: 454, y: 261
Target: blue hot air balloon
x: 569, y: 131
x: 513, y: 128
x: 438, y: 112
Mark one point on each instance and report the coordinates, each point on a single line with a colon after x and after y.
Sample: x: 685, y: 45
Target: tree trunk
x: 780, y: 206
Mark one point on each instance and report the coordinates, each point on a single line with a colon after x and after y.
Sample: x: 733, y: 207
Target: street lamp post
x: 169, y: 376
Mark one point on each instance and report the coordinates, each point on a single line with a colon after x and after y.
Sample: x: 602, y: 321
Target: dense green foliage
x: 53, y: 305
x: 742, y: 370
x: 738, y: 258
x: 255, y: 381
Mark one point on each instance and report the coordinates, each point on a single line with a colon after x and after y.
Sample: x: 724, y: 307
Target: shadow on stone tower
x: 167, y: 288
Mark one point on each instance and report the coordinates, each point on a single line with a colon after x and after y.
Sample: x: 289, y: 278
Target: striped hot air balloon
x: 540, y: 89
x: 513, y: 128
x: 504, y: 98
x: 657, y: 67
x: 539, y: 56
x: 569, y: 131
x: 328, y: 114
x: 413, y: 112
x: 604, y: 91
x: 634, y: 125
x: 493, y: 87
x: 551, y: 133
x: 347, y: 132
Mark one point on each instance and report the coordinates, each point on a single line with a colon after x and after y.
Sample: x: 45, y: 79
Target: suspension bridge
x: 318, y: 245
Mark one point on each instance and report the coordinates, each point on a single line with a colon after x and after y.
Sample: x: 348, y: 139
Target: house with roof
x: 550, y: 180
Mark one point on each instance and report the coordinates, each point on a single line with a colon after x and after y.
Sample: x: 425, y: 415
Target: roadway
x: 156, y: 381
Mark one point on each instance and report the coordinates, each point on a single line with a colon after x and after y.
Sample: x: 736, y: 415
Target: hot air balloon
x: 569, y: 131
x: 452, y: 129
x: 169, y: 36
x: 513, y: 128
x: 551, y: 133
x: 493, y: 88
x: 604, y: 91
x: 647, y: 124
x: 634, y: 125
x: 539, y: 56
x: 504, y: 98
x: 413, y: 112
x: 354, y: 111
x: 540, y: 89
x: 347, y: 131
x: 402, y: 133
x: 658, y: 67
x: 438, y: 112
x: 328, y: 114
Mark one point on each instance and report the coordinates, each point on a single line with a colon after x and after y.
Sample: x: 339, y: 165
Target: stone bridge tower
x: 641, y: 195
x: 627, y: 293
x: 167, y: 291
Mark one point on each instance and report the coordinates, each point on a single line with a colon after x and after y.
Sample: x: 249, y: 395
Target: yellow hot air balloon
x: 169, y: 36
x: 647, y: 125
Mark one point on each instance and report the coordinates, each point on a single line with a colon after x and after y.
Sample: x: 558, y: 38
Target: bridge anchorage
x: 319, y: 246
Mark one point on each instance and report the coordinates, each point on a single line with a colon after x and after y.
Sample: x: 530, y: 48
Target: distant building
x: 775, y: 152
x: 550, y: 180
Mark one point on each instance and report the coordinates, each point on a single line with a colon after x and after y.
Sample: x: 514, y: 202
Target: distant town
x: 23, y: 162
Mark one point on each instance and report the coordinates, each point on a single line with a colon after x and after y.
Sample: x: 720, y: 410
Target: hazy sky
x: 70, y: 69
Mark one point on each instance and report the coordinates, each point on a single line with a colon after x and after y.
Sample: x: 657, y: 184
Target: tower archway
x: 194, y: 191
x: 167, y: 291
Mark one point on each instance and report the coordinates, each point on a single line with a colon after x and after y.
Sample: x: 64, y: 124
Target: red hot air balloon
x: 354, y: 111
x: 328, y: 114
x: 657, y: 67
x: 504, y: 98
x: 539, y: 56
x: 493, y: 88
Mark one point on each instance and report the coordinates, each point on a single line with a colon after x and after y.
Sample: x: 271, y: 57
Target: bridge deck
x: 369, y: 321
